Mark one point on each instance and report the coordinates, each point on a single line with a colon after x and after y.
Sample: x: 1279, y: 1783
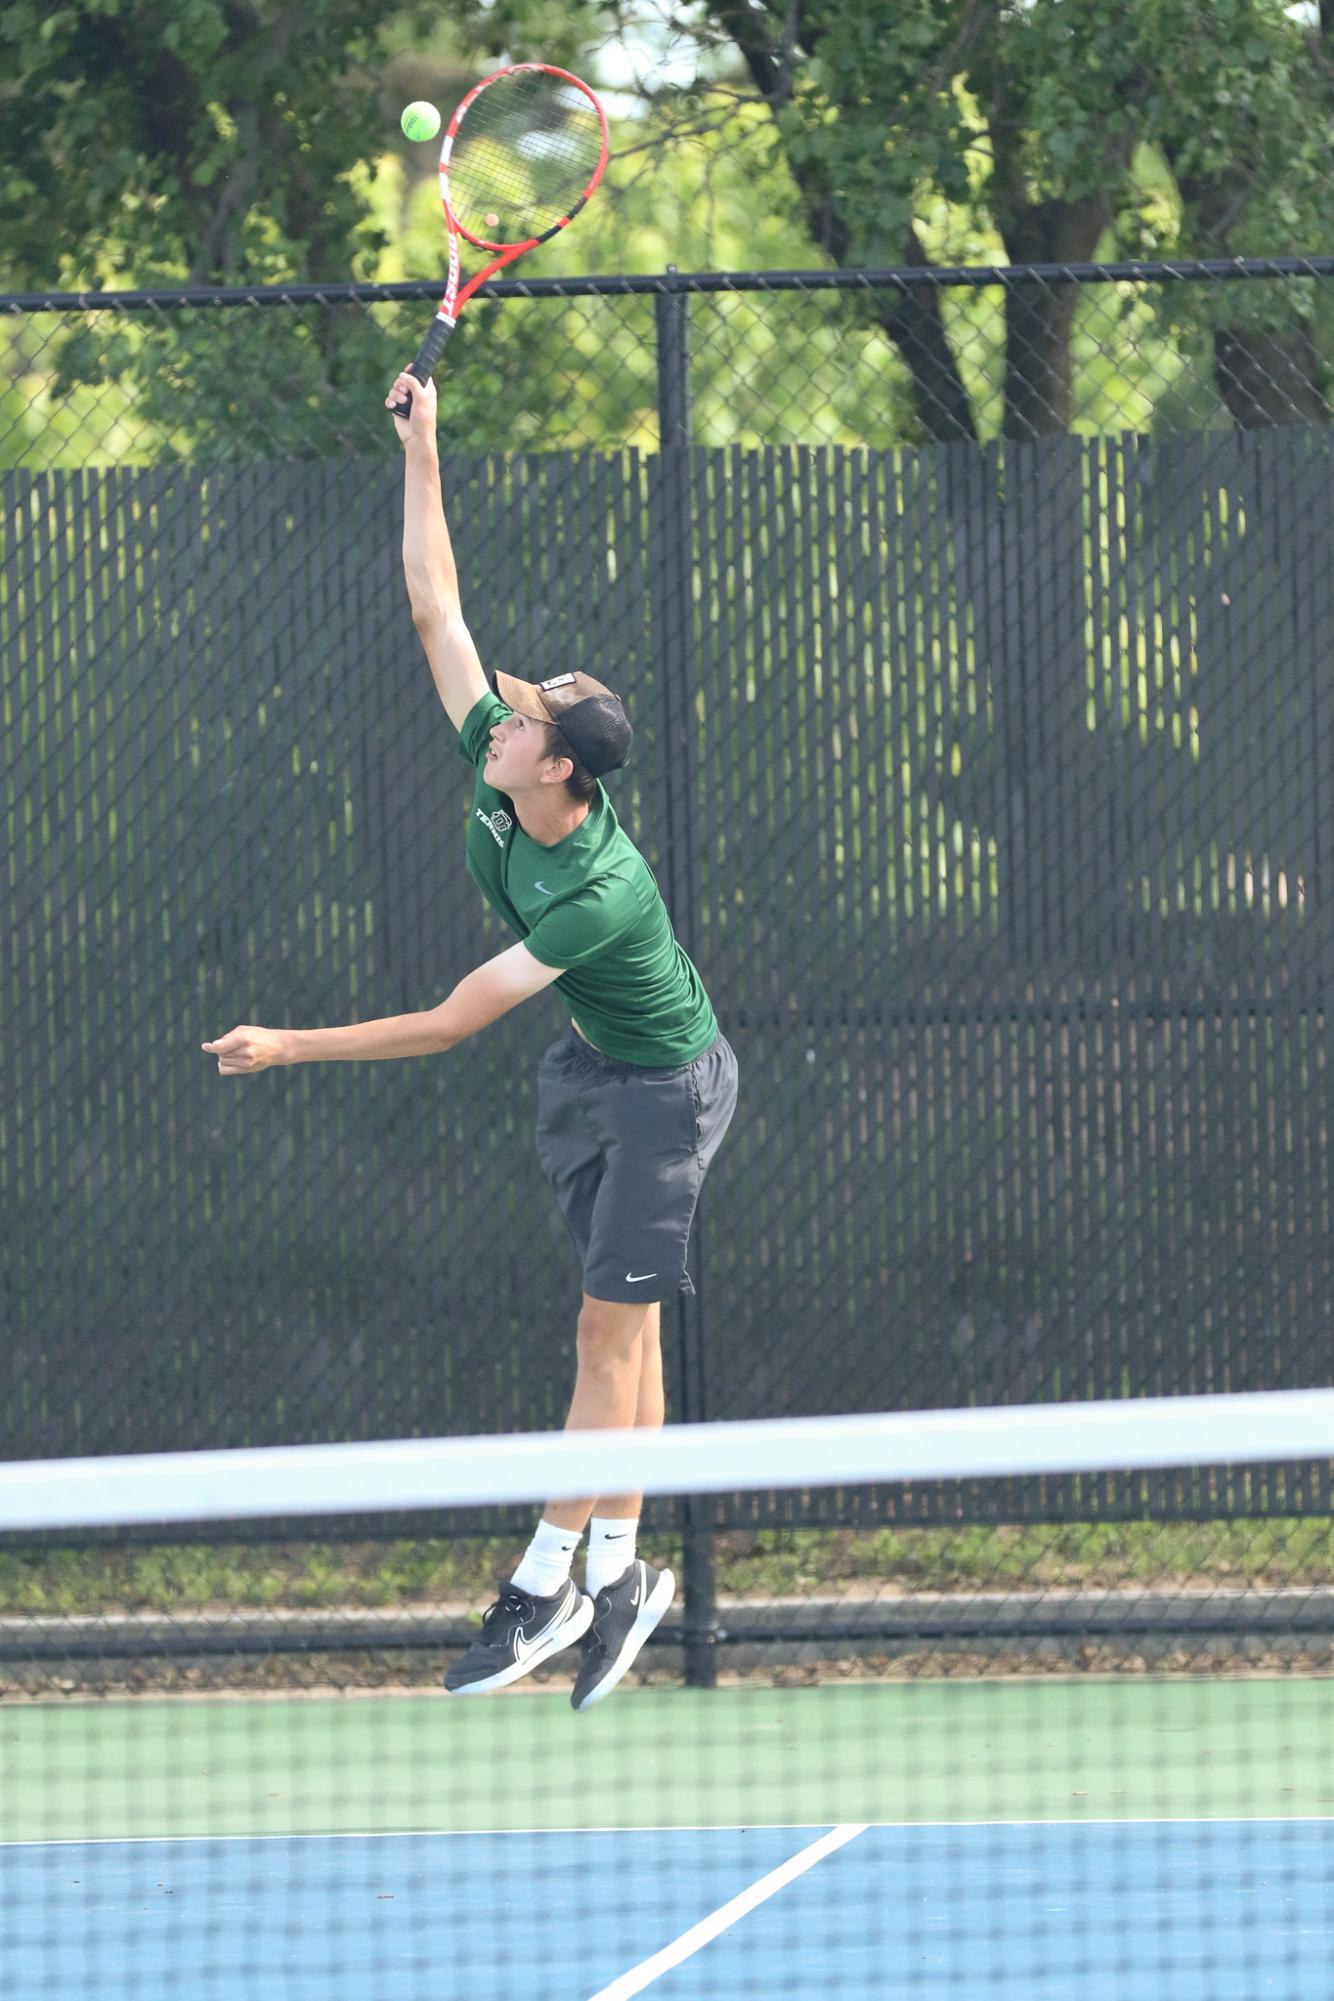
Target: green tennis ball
x: 420, y: 120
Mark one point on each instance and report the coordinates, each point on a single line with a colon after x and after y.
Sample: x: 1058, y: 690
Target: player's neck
x: 548, y: 821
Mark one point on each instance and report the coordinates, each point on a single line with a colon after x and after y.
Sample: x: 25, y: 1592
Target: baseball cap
x: 588, y: 716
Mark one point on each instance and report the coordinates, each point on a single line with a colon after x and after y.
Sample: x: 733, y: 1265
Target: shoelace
x: 511, y: 1604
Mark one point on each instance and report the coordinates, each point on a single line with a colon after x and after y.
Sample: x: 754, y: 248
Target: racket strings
x: 522, y: 157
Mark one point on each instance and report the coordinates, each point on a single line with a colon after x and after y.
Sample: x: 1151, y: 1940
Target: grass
x: 751, y: 1564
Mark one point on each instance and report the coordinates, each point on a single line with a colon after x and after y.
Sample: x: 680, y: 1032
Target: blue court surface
x: 1222, y: 1910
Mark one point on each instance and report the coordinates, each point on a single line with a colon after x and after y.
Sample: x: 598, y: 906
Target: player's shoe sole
x: 624, y: 1615
x: 518, y: 1634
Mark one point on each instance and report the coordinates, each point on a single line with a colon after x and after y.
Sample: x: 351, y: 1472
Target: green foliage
x: 235, y: 143
x: 1042, y: 121
x: 212, y: 142
x: 1239, y: 100
x: 258, y: 144
x: 1007, y: 108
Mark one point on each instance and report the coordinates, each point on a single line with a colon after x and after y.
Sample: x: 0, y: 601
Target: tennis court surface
x: 1070, y: 1782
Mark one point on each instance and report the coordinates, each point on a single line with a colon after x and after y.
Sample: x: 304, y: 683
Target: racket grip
x: 428, y: 354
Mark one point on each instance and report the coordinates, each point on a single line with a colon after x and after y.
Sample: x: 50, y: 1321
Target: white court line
x: 962, y: 1827
x: 641, y: 1976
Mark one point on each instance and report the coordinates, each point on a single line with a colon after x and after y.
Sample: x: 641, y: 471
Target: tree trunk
x: 1269, y: 378
x: 1038, y: 385
x: 915, y: 324
x: 1263, y: 377
x: 913, y: 321
x: 1039, y: 315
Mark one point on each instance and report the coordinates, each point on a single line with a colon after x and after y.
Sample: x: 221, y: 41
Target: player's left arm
x: 482, y: 997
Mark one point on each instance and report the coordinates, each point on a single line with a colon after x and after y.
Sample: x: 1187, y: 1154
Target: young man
x: 633, y: 1099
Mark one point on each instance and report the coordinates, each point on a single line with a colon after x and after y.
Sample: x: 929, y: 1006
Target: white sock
x: 611, y: 1551
x: 545, y: 1564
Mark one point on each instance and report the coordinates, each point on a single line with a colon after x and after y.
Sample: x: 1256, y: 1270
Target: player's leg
x: 664, y: 1128
x: 650, y: 1409
x: 615, y: 1518
x: 625, y: 1151
x: 630, y: 1595
x: 608, y: 1385
x: 541, y: 1612
x: 614, y: 1523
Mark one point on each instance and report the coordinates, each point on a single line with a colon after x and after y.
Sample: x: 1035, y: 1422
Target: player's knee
x: 608, y: 1334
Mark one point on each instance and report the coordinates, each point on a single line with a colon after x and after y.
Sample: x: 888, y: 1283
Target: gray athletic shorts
x: 626, y: 1150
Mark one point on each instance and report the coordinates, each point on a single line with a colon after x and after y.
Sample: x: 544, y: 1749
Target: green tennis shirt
x: 589, y: 905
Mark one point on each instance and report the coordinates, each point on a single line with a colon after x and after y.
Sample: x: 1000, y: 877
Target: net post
x: 672, y: 616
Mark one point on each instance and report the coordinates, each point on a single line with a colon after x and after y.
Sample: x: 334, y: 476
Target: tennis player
x: 633, y: 1098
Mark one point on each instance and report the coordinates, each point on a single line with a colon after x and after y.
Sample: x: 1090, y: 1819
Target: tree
x: 1031, y: 116
x: 223, y: 142
x: 210, y: 143
x: 1242, y: 115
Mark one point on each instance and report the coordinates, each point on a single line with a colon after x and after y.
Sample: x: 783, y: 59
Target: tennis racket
x: 520, y: 157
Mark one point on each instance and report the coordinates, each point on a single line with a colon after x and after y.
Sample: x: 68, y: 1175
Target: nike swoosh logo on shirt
x: 638, y: 1277
x: 545, y: 891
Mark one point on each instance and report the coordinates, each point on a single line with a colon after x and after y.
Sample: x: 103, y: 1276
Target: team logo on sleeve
x: 497, y: 824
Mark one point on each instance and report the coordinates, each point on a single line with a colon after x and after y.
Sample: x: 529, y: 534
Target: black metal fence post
x: 672, y: 531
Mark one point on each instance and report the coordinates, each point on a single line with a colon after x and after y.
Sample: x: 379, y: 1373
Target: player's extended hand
x: 247, y: 1050
x: 420, y: 423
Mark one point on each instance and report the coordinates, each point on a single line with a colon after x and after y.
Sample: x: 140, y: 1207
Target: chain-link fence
x: 983, y: 756
x: 870, y: 359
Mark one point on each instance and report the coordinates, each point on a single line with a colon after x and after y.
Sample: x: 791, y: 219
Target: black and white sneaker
x: 624, y: 1614
x: 518, y: 1633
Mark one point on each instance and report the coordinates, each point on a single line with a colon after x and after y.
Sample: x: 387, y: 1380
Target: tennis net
x: 927, y: 1755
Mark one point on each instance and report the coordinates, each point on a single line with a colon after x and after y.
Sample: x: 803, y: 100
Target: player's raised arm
x: 428, y: 557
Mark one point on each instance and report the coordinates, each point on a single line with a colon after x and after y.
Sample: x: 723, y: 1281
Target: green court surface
x: 1041, y: 1749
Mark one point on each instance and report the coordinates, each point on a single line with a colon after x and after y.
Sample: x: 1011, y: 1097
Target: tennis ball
x: 420, y: 120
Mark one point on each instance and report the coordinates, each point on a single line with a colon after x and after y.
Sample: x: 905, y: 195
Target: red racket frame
x: 431, y: 349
